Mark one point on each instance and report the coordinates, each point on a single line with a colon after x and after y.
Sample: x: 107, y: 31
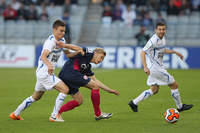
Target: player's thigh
x: 92, y: 85
x: 62, y: 87
x: 50, y: 82
x: 37, y: 95
x: 78, y: 97
x: 39, y: 86
x: 161, y: 76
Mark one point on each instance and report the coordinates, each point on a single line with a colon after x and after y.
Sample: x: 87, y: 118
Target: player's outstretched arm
x: 72, y: 54
x: 143, y: 57
x: 44, y: 55
x: 70, y: 46
x: 103, y: 86
x: 168, y: 51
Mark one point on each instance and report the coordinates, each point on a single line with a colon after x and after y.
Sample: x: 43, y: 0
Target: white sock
x: 26, y: 103
x: 144, y: 95
x: 59, y: 101
x: 176, y: 96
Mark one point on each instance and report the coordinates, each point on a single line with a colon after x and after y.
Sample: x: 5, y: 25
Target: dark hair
x: 160, y: 24
x: 58, y: 23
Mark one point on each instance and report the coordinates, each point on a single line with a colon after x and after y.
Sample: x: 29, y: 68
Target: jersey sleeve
x: 149, y: 46
x: 49, y: 45
x: 87, y: 50
x: 63, y: 40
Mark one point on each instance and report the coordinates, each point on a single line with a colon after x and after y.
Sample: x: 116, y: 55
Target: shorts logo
x: 85, y: 77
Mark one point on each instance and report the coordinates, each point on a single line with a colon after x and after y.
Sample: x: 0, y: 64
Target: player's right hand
x: 180, y: 55
x: 114, y: 92
x: 50, y: 69
x: 146, y: 70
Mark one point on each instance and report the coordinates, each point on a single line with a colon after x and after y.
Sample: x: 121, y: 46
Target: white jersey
x: 155, y: 50
x: 54, y: 54
x: 46, y: 81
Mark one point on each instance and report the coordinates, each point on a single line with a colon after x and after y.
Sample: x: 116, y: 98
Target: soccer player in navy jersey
x: 77, y: 73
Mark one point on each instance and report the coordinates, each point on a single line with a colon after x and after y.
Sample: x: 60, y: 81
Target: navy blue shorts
x: 74, y: 80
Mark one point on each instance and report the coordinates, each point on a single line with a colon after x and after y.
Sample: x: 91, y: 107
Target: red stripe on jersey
x: 76, y: 64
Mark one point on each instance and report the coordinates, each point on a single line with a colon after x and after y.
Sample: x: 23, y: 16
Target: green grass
x: 17, y: 84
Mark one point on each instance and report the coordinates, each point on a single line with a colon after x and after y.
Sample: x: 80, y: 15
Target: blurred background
x: 122, y: 27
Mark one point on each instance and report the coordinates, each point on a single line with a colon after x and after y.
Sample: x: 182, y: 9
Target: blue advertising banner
x: 129, y: 57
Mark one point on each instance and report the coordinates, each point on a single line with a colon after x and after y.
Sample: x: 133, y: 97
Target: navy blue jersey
x: 76, y: 70
x: 80, y: 63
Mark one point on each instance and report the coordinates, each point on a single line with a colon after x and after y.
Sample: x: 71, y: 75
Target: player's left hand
x: 180, y: 55
x: 115, y: 92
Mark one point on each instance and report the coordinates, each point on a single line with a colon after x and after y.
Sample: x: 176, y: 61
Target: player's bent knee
x: 36, y: 98
x: 66, y: 91
x: 174, y: 85
x: 155, y: 91
x: 80, y: 101
x: 37, y: 95
x: 61, y: 87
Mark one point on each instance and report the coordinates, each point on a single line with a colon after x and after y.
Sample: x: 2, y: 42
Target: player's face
x: 160, y: 31
x: 59, y: 32
x: 98, y: 58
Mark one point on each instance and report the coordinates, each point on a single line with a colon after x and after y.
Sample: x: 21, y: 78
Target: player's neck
x: 160, y: 37
x: 57, y: 38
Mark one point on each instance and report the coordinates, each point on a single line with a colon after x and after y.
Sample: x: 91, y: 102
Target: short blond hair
x: 100, y: 50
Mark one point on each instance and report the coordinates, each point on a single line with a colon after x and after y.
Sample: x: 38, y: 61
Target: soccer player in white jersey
x: 157, y: 75
x: 46, y: 80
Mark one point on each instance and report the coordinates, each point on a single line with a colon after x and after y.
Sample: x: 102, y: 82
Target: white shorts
x: 159, y: 76
x: 45, y: 81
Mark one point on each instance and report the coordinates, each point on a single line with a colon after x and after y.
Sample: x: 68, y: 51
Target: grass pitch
x: 17, y: 84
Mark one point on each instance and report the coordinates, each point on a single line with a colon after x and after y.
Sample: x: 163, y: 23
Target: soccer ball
x: 171, y: 115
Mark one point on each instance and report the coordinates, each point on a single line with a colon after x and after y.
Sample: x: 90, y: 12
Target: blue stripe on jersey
x: 61, y: 39
x: 41, y: 65
x: 57, y: 51
x: 53, y: 78
x: 51, y: 37
x: 154, y: 52
x: 157, y: 62
x: 151, y: 42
